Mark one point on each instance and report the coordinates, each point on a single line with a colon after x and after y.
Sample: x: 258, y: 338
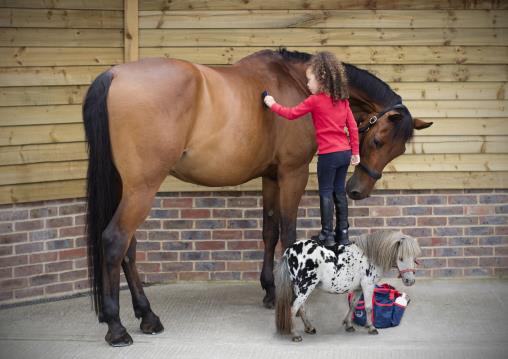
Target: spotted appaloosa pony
x: 306, y: 265
x: 208, y: 126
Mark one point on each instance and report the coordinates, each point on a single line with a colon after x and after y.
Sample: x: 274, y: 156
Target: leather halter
x: 364, y: 129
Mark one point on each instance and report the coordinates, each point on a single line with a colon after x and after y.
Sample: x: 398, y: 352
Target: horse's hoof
x: 373, y: 331
x: 297, y: 338
x: 151, y: 324
x: 122, y: 340
x: 269, y: 301
x: 310, y: 330
x: 350, y: 329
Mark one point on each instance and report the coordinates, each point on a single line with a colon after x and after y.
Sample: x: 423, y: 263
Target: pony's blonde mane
x: 383, y: 247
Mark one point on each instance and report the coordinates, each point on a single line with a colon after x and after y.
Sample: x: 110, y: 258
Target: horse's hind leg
x: 115, y: 243
x: 131, y: 212
x: 302, y: 294
x: 271, y: 223
x: 150, y: 323
x: 309, y: 328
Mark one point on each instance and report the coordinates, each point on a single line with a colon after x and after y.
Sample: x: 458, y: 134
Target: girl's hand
x: 355, y: 159
x: 269, y: 100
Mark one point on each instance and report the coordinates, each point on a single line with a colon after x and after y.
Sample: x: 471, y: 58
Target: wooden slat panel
x: 64, y: 4
x: 61, y: 37
x: 26, y: 135
x: 42, y: 172
x: 457, y: 144
x: 42, y: 191
x: 44, y: 76
x: 131, y: 31
x: 17, y: 155
x: 318, y: 4
x: 443, y: 180
x: 451, y: 90
x: 399, y: 55
x: 449, y: 162
x: 439, y: 73
x: 94, y: 19
x: 443, y: 163
x: 263, y: 19
x: 81, y: 75
x: 465, y: 126
x: 458, y: 108
x: 38, y: 115
x: 42, y: 95
x: 328, y: 37
x: 429, y: 180
x: 55, y: 56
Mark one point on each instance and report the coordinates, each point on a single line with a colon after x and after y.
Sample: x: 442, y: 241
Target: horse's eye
x: 401, y: 259
x: 377, y: 143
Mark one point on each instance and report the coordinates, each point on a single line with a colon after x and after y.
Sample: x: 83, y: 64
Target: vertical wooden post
x: 130, y: 32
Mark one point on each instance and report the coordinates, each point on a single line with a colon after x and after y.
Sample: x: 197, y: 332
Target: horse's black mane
x: 375, y: 88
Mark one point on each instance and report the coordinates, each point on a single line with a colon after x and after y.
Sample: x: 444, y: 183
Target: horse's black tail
x: 284, y: 298
x: 103, y: 181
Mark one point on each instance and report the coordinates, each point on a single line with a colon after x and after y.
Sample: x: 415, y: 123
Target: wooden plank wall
x: 448, y: 60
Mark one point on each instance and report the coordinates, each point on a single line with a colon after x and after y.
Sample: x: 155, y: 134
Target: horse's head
x: 383, y: 137
x: 384, y: 123
x: 406, y: 261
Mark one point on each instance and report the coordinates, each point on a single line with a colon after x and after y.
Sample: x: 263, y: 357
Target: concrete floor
x: 445, y: 319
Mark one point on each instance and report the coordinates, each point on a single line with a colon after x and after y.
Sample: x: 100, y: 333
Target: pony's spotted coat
x: 307, y: 265
x: 311, y: 265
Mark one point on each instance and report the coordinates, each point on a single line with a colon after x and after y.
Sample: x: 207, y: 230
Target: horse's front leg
x: 348, y: 318
x: 368, y: 292
x: 292, y: 186
x: 271, y: 223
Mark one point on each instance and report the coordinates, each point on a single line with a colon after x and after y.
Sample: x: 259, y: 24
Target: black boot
x: 326, y: 236
x: 341, y: 213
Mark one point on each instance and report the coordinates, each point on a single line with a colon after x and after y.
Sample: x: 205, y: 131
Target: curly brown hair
x: 330, y: 73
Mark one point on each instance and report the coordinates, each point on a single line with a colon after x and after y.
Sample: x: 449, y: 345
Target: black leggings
x: 332, y: 169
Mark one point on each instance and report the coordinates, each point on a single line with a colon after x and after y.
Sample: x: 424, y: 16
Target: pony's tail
x: 284, y: 298
x: 103, y: 181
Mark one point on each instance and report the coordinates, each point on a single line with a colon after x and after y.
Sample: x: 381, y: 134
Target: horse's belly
x: 215, y: 167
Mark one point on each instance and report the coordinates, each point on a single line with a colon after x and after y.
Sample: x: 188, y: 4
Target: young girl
x: 329, y: 106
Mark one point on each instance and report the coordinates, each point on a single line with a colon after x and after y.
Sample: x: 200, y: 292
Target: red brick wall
x: 217, y: 236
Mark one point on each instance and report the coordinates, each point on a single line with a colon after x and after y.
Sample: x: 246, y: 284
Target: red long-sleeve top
x: 329, y: 122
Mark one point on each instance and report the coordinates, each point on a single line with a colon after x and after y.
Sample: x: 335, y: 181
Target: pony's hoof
x: 373, y: 331
x: 151, y: 324
x: 350, y: 329
x: 310, y: 330
x: 269, y: 301
x: 122, y: 340
x: 297, y: 338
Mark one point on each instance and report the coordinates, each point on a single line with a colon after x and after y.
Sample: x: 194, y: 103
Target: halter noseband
x: 364, y: 129
x: 401, y: 272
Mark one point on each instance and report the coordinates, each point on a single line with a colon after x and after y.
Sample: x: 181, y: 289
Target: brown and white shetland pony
x: 205, y: 125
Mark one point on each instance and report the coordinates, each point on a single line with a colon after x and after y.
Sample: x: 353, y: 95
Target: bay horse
x: 307, y: 265
x: 208, y: 126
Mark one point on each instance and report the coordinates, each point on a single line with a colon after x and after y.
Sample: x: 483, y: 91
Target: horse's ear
x: 420, y: 125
